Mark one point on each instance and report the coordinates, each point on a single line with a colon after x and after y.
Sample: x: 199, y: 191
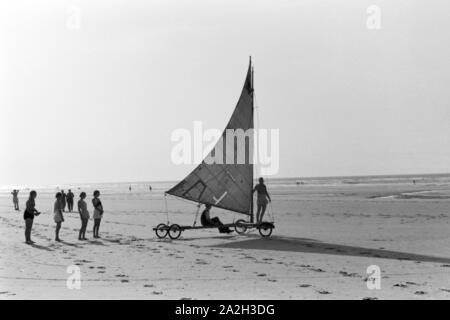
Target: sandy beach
x: 326, y: 236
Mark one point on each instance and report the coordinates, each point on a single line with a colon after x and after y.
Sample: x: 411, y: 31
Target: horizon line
x: 266, y: 178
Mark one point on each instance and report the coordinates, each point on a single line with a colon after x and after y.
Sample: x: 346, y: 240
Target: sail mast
x: 253, y: 109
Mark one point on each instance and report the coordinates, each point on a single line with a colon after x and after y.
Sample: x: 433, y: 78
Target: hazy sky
x: 99, y: 102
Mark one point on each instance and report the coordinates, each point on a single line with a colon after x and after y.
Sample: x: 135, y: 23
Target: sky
x: 91, y: 91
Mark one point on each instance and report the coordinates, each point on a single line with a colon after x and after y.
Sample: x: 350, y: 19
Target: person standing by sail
x: 84, y: 215
x: 15, y: 194
x: 28, y: 216
x: 58, y: 214
x: 70, y: 197
x: 98, y: 212
x: 63, y: 200
x: 261, y: 201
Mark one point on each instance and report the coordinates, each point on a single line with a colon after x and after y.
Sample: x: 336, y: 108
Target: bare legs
x: 70, y: 205
x: 260, y: 212
x: 58, y: 227
x: 82, y: 234
x: 96, y: 227
x: 28, y: 226
x: 216, y: 221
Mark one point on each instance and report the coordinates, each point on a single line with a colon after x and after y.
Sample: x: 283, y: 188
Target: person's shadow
x: 69, y: 244
x: 37, y: 246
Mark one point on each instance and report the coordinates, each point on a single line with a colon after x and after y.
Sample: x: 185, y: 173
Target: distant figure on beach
x: 261, y: 202
x: 63, y: 200
x: 58, y: 214
x: 98, y: 212
x: 129, y: 188
x: 15, y: 194
x: 150, y: 188
x: 84, y: 215
x: 414, y: 181
x: 28, y: 215
x: 207, y: 221
x: 70, y: 197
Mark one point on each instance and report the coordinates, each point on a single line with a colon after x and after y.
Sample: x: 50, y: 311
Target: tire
x: 161, y: 230
x: 239, y: 227
x: 265, y: 229
x: 174, y: 231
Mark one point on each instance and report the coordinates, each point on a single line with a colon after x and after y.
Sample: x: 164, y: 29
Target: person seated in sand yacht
x: 58, y: 215
x: 207, y: 221
x: 15, y: 194
x: 28, y: 216
x: 261, y: 202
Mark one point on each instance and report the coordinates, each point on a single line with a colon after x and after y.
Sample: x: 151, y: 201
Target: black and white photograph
x: 214, y: 150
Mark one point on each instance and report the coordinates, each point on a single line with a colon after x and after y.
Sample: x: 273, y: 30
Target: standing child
x: 58, y: 217
x: 98, y: 212
x: 28, y: 216
x: 84, y: 215
x: 15, y: 194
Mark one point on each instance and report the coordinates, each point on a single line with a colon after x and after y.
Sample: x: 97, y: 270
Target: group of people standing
x: 62, y: 199
x: 59, y: 208
x: 66, y: 199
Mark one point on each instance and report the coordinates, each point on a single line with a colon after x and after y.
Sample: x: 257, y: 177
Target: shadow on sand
x: 95, y: 242
x: 218, y: 237
x: 291, y: 244
x: 40, y: 247
x: 69, y: 244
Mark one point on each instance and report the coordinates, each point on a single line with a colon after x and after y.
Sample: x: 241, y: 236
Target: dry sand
x: 325, y: 238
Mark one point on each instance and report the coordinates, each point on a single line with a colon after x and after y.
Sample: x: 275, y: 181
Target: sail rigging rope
x: 198, y: 205
x: 196, y: 214
x: 257, y: 126
x: 271, y: 212
x: 257, y: 166
x: 167, y: 209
